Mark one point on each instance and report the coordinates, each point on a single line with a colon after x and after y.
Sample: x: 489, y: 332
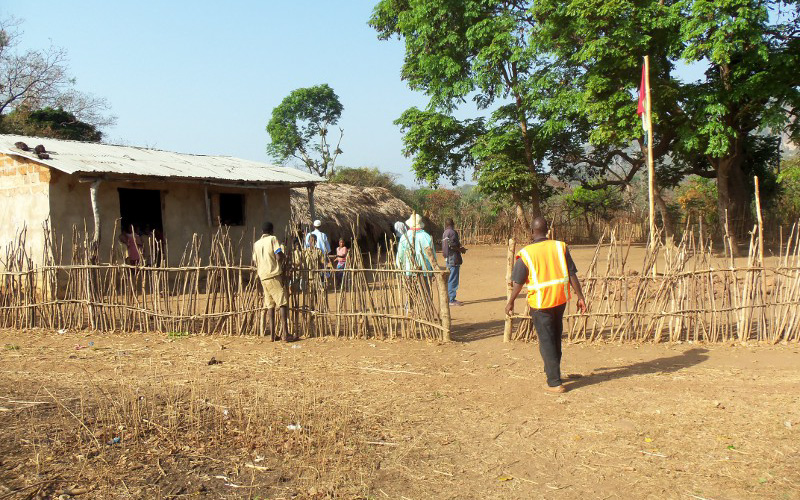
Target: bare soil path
x: 396, y: 420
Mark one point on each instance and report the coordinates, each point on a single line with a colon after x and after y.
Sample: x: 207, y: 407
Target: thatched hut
x: 342, y: 208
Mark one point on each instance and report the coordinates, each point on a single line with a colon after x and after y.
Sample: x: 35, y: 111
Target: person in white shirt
x: 322, y: 238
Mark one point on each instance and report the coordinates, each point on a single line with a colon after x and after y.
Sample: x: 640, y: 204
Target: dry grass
x: 393, y: 419
x: 164, y: 438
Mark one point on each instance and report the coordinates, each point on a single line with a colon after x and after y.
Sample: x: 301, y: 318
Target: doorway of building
x: 141, y: 208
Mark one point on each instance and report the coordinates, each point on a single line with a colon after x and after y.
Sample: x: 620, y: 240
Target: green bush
x: 788, y: 198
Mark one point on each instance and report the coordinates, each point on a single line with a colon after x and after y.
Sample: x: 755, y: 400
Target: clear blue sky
x: 203, y: 77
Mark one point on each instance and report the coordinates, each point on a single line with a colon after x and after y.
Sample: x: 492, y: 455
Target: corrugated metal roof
x: 75, y: 157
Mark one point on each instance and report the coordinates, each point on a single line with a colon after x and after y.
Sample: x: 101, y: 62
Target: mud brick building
x: 54, y: 189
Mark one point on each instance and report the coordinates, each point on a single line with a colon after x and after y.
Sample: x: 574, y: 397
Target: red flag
x: 644, y: 95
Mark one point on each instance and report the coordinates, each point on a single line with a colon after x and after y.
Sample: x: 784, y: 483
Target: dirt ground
x: 146, y: 416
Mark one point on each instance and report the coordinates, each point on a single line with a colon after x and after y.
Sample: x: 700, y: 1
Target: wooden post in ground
x: 651, y: 175
x: 762, y: 270
x: 760, y: 225
x: 312, y: 212
x: 207, y: 198
x: 93, y: 254
x: 444, y: 303
x: 509, y: 268
x: 96, y: 217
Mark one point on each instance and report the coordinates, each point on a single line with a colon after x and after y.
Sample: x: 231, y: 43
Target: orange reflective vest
x: 548, y: 277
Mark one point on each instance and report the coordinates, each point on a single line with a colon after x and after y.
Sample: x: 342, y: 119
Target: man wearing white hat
x: 411, y: 250
x: 322, y: 238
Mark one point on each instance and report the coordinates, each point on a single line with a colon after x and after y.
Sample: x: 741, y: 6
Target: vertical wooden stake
x: 444, y: 303
x: 96, y: 215
x: 509, y: 267
x: 760, y: 225
x: 762, y: 271
x: 208, y: 205
x: 312, y: 212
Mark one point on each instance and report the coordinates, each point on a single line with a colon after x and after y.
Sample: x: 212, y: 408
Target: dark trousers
x: 549, y: 327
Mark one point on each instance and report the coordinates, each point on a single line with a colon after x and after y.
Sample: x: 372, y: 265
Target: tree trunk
x: 536, y: 201
x: 522, y: 222
x: 589, y: 232
x: 666, y: 218
x: 733, y: 196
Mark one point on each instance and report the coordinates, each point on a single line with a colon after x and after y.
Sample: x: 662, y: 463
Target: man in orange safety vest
x: 546, y: 268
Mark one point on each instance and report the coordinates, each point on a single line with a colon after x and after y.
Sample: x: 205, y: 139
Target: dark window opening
x: 140, y: 208
x: 231, y: 209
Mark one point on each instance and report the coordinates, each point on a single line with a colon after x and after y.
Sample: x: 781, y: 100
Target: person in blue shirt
x: 451, y: 251
x: 322, y: 238
x: 411, y: 252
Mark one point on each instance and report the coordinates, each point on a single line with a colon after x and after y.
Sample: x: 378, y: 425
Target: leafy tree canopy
x: 34, y: 80
x: 705, y: 127
x: 49, y: 122
x: 299, y: 128
x: 458, y: 50
x: 571, y: 68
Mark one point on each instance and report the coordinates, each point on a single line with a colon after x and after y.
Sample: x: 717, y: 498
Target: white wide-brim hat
x: 317, y: 223
x: 415, y: 222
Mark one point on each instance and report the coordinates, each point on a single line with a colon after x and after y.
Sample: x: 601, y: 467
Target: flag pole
x: 651, y: 173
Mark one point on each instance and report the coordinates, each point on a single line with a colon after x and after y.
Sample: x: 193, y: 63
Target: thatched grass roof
x: 372, y: 211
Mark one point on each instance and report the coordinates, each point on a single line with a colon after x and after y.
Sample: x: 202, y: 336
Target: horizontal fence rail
x: 684, y: 292
x: 476, y: 231
x: 223, y: 295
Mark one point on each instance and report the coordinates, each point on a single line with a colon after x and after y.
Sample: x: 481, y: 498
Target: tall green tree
x: 706, y: 127
x: 590, y: 204
x: 750, y: 86
x: 299, y: 128
x: 571, y: 68
x: 455, y: 51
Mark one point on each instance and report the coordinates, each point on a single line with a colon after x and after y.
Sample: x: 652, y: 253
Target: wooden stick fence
x: 698, y: 297
x: 220, y: 294
x: 477, y: 231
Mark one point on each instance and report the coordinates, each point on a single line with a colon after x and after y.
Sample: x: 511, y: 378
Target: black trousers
x: 549, y: 324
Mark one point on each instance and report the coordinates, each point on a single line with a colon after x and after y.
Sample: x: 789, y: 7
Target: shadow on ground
x: 501, y: 298
x: 470, y: 332
x: 669, y: 364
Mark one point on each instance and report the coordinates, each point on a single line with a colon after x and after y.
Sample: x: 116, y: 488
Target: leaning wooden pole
x: 509, y: 268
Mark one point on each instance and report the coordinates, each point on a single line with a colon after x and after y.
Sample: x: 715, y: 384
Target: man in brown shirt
x: 269, y: 259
